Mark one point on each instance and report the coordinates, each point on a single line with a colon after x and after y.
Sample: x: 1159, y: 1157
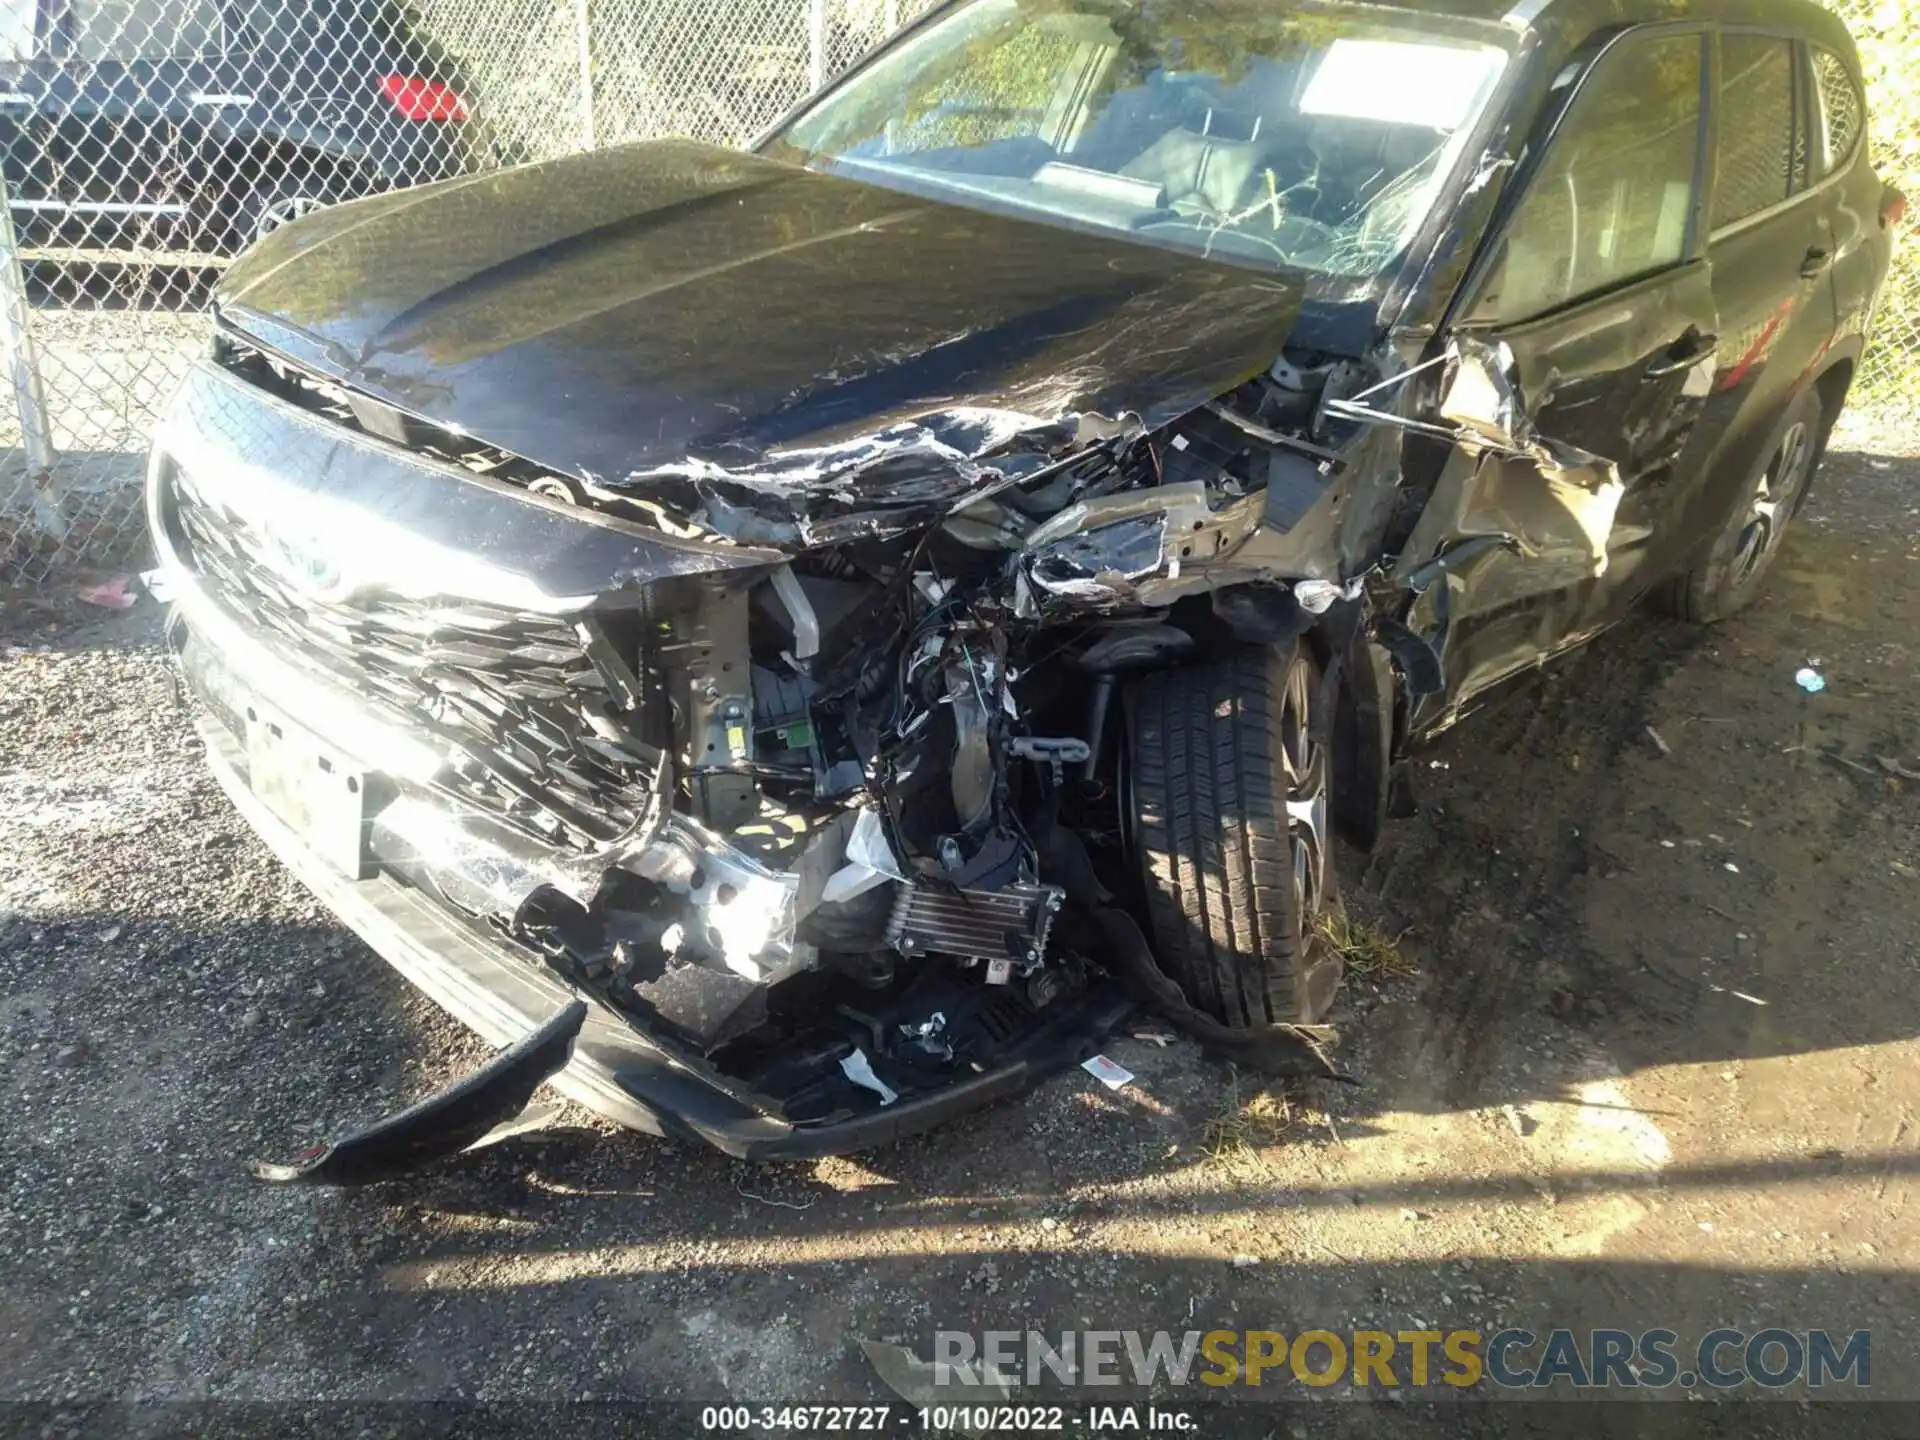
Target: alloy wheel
x: 1773, y: 503
x: 284, y: 211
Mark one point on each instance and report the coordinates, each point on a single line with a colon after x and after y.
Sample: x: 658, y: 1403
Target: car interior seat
x: 1201, y: 173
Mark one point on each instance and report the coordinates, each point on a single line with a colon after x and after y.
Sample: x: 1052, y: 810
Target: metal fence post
x: 817, y: 44
x: 23, y: 370
x: 584, y: 22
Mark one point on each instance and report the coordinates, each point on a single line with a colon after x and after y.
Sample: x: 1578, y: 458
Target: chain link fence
x: 1888, y: 33
x: 143, y: 143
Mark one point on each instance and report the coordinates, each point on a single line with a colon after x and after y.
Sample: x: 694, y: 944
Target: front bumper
x: 498, y: 988
x: 502, y: 995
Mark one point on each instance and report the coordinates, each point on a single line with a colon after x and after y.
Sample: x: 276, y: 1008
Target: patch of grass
x: 1246, y: 1125
x: 1366, y: 950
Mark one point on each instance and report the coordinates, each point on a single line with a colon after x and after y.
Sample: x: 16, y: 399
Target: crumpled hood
x: 756, y: 342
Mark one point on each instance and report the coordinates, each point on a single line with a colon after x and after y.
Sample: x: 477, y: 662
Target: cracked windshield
x: 1316, y: 140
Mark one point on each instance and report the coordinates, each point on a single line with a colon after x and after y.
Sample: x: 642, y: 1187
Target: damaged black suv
x: 813, y: 634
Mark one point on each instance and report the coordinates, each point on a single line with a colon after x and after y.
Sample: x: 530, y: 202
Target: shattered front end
x: 818, y: 802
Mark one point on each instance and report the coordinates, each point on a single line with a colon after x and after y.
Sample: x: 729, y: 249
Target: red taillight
x: 419, y: 98
x: 1893, y: 207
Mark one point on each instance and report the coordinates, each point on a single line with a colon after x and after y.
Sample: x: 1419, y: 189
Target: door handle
x: 1685, y: 353
x: 1816, y: 261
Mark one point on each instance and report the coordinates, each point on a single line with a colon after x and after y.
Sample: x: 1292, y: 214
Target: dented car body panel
x: 784, y: 356
x: 776, y: 597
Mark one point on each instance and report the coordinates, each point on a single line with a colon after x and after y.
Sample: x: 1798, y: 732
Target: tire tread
x: 1211, y: 829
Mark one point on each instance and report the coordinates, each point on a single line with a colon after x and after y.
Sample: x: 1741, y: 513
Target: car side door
x: 1771, y: 246
x: 1582, y: 348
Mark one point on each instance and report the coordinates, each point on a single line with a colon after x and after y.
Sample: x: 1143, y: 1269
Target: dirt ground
x: 1655, y: 1066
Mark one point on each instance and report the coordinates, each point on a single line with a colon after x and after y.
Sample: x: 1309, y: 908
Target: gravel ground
x: 1655, y: 1065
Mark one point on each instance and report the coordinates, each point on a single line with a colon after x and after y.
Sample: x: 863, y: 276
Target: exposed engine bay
x: 852, y: 825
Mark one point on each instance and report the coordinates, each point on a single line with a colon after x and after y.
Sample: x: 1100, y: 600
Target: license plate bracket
x: 318, y: 792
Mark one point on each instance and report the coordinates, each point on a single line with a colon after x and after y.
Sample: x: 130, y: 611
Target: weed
x: 1246, y: 1125
x: 1366, y: 950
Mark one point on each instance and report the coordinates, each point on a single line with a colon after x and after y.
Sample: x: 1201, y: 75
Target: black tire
x: 1730, y: 575
x: 1235, y: 880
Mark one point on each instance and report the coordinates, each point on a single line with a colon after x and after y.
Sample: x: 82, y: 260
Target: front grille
x: 366, y: 415
x: 505, y: 691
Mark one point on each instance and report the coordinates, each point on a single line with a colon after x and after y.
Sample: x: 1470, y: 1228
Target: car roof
x: 1577, y: 19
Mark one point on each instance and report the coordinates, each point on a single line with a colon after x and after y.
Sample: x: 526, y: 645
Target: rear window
x: 1842, y: 113
x: 145, y: 29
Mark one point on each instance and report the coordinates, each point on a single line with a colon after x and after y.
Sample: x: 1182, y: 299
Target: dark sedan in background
x: 201, y: 125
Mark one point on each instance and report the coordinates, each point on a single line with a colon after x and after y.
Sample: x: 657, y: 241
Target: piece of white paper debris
x: 1107, y: 1072
x: 870, y: 861
x: 857, y: 1068
x: 113, y: 594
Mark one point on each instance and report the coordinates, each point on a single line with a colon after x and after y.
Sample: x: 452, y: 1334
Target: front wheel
x: 1229, y: 779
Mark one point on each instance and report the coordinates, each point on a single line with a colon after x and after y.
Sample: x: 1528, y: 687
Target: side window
x: 1757, y: 160
x: 1842, y: 113
x: 1614, y: 192
x: 144, y: 29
